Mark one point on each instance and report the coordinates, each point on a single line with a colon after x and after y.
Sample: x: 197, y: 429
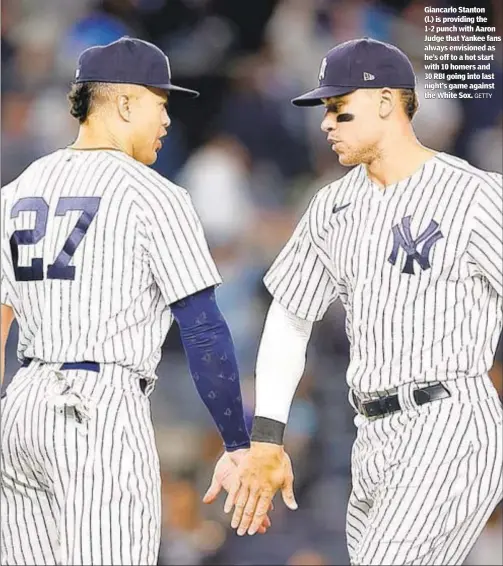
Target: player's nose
x: 166, y: 120
x: 327, y: 125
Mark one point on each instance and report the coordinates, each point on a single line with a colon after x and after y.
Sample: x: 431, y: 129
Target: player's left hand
x: 223, y: 477
x: 264, y: 469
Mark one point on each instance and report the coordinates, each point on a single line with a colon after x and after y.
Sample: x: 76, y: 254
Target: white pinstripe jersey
x: 418, y: 268
x: 103, y: 244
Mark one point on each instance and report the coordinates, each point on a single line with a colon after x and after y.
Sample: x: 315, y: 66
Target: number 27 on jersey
x: 61, y: 268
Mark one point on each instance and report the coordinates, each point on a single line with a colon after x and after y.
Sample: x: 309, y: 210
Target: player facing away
x: 410, y: 240
x: 99, y: 255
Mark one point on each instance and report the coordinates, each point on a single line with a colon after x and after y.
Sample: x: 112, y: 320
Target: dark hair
x: 80, y: 97
x: 410, y: 101
x: 84, y: 96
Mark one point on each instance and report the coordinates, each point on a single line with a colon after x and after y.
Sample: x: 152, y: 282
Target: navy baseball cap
x: 360, y: 63
x: 128, y: 60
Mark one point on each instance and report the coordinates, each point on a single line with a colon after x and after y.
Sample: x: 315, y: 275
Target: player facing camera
x: 409, y: 240
x: 359, y: 124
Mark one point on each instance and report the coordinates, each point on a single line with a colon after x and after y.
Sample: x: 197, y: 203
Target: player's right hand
x: 223, y: 478
x: 264, y: 469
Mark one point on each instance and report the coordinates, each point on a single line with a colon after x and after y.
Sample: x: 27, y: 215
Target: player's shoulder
x: 7, y: 194
x: 483, y: 182
x: 31, y: 171
x: 337, y: 192
x: 8, y: 190
x: 27, y: 177
x: 152, y: 188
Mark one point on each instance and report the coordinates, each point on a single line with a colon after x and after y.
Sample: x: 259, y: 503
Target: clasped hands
x: 251, y: 477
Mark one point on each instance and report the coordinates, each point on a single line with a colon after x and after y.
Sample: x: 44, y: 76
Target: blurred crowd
x: 251, y: 162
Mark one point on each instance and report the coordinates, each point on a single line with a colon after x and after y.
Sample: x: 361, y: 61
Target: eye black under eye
x: 345, y: 117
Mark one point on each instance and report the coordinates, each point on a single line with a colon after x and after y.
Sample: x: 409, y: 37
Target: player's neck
x: 398, y: 161
x: 90, y: 138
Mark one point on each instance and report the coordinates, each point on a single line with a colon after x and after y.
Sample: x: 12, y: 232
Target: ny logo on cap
x: 368, y: 77
x: 77, y: 73
x: 323, y: 68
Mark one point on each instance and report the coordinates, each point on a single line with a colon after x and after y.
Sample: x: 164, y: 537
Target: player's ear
x: 387, y: 103
x: 124, y: 107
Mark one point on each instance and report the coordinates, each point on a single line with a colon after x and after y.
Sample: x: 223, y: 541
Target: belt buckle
x: 360, y: 407
x: 385, y: 407
x: 371, y: 416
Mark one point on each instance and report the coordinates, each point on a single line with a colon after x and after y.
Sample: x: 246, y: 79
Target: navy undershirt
x: 209, y: 348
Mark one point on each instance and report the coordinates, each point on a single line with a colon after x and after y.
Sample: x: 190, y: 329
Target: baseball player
x: 99, y: 255
x: 410, y: 240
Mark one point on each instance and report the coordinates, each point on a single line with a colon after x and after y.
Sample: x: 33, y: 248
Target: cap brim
x: 165, y: 86
x: 184, y: 91
x: 314, y: 97
x: 180, y: 89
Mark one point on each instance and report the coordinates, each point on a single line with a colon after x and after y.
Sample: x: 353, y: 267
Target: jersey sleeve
x: 179, y: 255
x: 299, y: 278
x: 485, y: 247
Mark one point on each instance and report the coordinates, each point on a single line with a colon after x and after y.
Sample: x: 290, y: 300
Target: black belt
x: 391, y: 404
x: 88, y: 366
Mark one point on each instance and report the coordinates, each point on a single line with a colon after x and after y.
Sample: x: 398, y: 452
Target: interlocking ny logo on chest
x: 402, y: 238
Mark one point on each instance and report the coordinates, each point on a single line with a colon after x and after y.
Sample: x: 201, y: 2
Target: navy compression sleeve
x: 212, y: 362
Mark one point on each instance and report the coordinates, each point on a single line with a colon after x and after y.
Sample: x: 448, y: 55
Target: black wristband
x: 267, y: 430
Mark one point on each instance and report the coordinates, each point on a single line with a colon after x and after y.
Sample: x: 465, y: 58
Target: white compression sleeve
x: 281, y: 362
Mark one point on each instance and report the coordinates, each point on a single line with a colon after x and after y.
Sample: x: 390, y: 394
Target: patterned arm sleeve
x: 299, y: 279
x: 209, y: 349
x: 486, y: 239
x: 179, y: 255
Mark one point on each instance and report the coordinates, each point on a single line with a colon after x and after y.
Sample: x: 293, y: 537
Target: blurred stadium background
x: 251, y: 162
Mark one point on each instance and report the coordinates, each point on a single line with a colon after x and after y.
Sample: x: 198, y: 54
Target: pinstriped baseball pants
x: 426, y: 480
x: 80, y: 478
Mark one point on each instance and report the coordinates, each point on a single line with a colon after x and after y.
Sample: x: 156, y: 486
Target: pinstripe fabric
x: 88, y: 491
x: 433, y: 325
x: 426, y: 480
x: 143, y: 250
x: 78, y: 492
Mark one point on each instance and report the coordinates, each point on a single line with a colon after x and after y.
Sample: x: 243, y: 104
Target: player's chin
x: 346, y: 160
x: 149, y: 158
x: 154, y: 152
